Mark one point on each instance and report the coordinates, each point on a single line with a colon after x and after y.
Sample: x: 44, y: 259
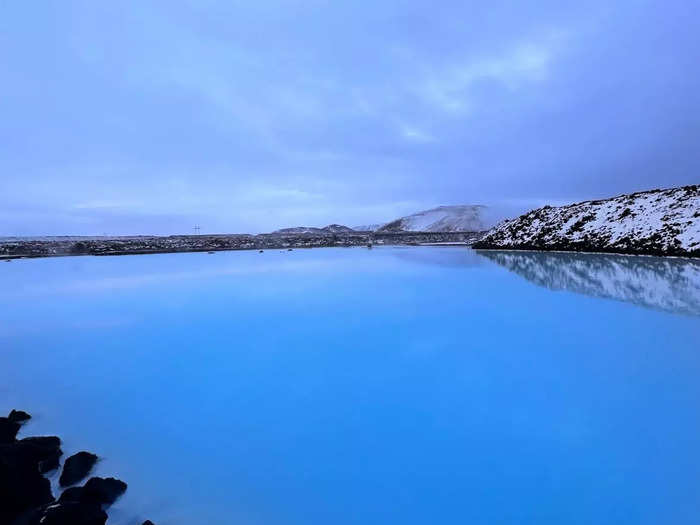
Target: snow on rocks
x: 465, y: 218
x: 656, y: 222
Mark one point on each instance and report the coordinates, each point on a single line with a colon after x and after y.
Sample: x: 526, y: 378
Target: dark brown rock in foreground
x: 68, y: 513
x: 77, y: 467
x: 8, y: 430
x: 25, y: 494
x: 22, y: 485
x: 103, y: 491
x: 19, y: 416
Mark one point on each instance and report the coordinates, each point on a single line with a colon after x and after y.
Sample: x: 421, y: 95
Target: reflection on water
x: 445, y: 256
x: 669, y: 284
x: 351, y: 386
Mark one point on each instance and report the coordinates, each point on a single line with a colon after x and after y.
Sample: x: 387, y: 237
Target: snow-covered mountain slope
x: 331, y: 228
x: 299, y: 229
x: 337, y: 228
x: 656, y: 222
x: 469, y: 218
x: 367, y: 227
x: 668, y: 284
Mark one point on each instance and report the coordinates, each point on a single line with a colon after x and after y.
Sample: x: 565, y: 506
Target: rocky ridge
x: 656, y: 222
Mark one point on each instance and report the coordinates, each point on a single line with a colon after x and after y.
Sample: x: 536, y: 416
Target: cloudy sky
x: 154, y: 116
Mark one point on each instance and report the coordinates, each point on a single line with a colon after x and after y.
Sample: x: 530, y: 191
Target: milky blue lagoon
x: 403, y: 386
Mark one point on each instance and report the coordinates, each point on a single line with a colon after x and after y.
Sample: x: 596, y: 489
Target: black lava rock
x: 70, y: 513
x: 104, y: 490
x: 25, y: 494
x: 19, y: 416
x: 22, y: 487
x: 77, y: 467
x: 149, y: 522
x: 31, y: 453
x: 8, y: 430
x: 101, y: 491
x: 41, y: 452
x: 72, y: 494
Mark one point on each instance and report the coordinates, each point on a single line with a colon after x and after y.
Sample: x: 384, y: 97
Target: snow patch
x: 664, y: 222
x: 466, y: 218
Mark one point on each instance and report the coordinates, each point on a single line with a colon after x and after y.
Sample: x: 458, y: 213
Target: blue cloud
x: 148, y: 117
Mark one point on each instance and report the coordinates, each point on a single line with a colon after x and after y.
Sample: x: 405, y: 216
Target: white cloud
x: 525, y: 63
x: 415, y: 134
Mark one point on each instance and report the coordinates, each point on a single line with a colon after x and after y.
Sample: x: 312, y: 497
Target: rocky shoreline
x: 656, y: 222
x: 25, y: 493
x: 56, y: 247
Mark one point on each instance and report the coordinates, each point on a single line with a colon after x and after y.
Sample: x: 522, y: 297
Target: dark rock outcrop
x: 77, y: 467
x: 8, y: 430
x: 68, y: 513
x: 19, y: 416
x: 103, y: 491
x: 21, y: 490
x: 25, y: 494
x: 22, y: 485
x: 43, y: 452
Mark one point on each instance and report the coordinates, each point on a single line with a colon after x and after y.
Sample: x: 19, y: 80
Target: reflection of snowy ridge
x: 468, y: 218
x: 668, y: 284
x: 659, y: 222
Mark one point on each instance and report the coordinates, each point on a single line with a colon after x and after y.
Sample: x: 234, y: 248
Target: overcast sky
x: 153, y: 116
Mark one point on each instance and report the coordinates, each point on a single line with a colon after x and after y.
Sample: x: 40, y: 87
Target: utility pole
x: 196, y: 230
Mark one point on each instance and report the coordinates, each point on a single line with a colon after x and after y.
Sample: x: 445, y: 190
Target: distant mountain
x: 300, y: 229
x: 331, y: 228
x: 337, y: 228
x: 467, y: 218
x: 367, y: 227
x: 656, y: 222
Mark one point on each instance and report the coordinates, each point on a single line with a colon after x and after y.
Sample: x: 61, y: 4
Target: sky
x: 151, y: 117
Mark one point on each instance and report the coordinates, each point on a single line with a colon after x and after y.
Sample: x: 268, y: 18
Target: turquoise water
x: 352, y: 386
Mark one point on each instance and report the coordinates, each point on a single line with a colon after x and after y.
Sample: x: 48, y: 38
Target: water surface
x: 354, y: 386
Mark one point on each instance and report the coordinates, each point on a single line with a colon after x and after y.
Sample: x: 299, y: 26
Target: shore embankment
x: 13, y: 248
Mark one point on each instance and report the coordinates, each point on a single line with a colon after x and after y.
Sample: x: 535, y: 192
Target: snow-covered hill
x: 331, y: 228
x: 299, y: 229
x: 367, y: 227
x: 656, y: 222
x: 468, y: 218
x: 337, y: 228
x: 668, y: 284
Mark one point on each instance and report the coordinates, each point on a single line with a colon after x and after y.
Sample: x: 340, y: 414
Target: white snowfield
x: 660, y: 222
x: 466, y: 218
